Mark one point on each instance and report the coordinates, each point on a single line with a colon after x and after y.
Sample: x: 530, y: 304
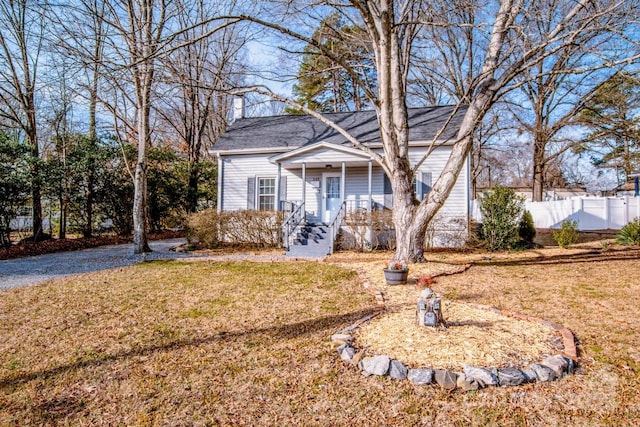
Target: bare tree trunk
x: 93, y: 135
x: 538, y: 170
x: 145, y: 75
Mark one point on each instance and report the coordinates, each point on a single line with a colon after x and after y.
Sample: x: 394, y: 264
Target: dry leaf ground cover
x: 246, y: 343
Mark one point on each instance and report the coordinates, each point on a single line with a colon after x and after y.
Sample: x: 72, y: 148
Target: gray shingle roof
x: 296, y: 131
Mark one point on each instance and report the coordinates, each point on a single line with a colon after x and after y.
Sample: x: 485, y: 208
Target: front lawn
x: 242, y: 343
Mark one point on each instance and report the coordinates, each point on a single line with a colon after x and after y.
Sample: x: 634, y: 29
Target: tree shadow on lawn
x: 590, y: 256
x: 289, y: 331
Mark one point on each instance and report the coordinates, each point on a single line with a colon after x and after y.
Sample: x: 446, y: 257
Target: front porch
x: 330, y: 174
x: 333, y: 181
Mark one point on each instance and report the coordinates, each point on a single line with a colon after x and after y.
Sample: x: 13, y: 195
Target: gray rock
x: 397, y: 370
x: 346, y: 352
x: 529, y: 375
x: 376, y: 365
x: 557, y: 363
x: 342, y: 338
x: 511, y: 377
x: 544, y: 373
x: 446, y: 379
x: 420, y: 376
x: 482, y: 376
x: 466, y: 384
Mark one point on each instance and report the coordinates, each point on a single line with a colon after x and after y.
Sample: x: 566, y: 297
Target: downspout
x: 369, y: 208
x: 219, y: 190
x: 343, y: 179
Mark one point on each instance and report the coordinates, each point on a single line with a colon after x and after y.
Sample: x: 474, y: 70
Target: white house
x: 298, y: 164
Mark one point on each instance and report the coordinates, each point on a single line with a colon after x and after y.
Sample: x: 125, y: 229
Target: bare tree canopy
x: 483, y: 72
x: 22, y: 35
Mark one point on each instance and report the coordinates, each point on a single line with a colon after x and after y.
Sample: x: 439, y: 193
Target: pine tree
x: 323, y: 85
x: 612, y: 117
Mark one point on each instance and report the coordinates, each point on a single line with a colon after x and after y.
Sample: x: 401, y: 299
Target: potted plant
x: 396, y: 273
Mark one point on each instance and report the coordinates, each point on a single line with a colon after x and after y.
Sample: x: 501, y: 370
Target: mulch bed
x: 74, y: 244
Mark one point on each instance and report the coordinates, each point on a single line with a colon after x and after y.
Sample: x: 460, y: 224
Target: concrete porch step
x: 312, y: 241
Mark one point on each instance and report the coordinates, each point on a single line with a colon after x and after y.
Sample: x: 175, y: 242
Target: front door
x: 330, y: 195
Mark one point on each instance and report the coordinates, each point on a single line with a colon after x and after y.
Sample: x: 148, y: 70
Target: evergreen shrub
x: 630, y: 233
x: 567, y: 235
x: 501, y: 210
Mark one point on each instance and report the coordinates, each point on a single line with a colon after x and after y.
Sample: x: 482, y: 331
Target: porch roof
x: 321, y: 155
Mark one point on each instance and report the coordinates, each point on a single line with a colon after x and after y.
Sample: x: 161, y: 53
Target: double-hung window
x: 266, y: 194
x: 422, y: 186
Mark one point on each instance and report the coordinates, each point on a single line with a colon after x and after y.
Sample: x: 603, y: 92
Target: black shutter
x: 283, y: 190
x: 251, y: 193
x: 388, y: 192
x: 426, y: 183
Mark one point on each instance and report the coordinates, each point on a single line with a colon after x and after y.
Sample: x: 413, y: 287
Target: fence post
x: 581, y: 214
x: 606, y: 213
x: 626, y: 210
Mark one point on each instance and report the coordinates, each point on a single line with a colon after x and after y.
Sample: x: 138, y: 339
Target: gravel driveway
x: 37, y: 269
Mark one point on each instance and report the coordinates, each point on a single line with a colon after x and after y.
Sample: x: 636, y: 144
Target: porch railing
x: 334, y: 225
x: 291, y: 221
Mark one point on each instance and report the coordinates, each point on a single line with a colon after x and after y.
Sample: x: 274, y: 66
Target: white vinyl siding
x: 239, y: 170
x: 457, y: 202
x: 236, y: 172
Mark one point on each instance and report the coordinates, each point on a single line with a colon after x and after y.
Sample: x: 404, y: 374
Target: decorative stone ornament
x: 429, y: 312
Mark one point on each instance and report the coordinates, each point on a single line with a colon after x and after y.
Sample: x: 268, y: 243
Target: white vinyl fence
x: 592, y: 213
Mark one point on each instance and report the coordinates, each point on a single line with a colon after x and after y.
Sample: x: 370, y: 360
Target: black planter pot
x: 396, y: 277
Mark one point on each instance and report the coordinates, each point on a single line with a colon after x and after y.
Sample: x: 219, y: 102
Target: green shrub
x: 630, y: 233
x: 501, y: 210
x: 527, y: 228
x: 568, y: 234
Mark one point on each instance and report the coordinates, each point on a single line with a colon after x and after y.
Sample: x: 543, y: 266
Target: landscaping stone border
x: 472, y: 377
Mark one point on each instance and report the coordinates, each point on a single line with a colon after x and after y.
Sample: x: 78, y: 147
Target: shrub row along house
x: 306, y: 169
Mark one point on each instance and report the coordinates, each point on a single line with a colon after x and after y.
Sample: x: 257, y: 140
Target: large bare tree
x: 79, y: 37
x: 554, y: 89
x: 392, y: 27
x: 22, y: 32
x: 192, y: 100
x: 141, y: 26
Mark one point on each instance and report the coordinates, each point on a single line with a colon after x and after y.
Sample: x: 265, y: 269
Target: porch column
x: 343, y: 180
x: 304, y: 190
x: 278, y: 201
x: 369, y: 208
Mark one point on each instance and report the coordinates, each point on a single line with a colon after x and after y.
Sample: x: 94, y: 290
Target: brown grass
x: 239, y: 343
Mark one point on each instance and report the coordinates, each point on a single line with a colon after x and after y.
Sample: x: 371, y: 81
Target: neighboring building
x: 631, y: 187
x: 559, y: 193
x: 299, y: 164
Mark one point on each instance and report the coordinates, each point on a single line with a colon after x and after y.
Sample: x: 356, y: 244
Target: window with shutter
x: 266, y: 194
x: 251, y: 193
x: 388, y: 192
x: 426, y: 183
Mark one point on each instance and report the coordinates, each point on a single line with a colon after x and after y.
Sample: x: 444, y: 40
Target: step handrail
x: 335, y: 224
x: 291, y: 222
